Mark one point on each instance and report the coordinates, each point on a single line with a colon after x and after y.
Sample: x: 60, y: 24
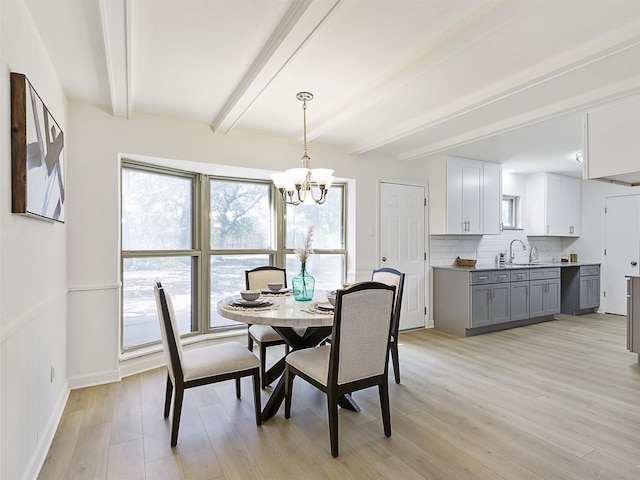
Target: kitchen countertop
x: 513, y: 266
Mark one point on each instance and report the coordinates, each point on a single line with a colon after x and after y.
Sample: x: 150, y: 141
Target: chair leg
x: 332, y: 403
x: 177, y: 410
x: 383, y: 390
x: 256, y: 397
x: 167, y: 396
x: 396, y: 361
x: 288, y: 390
x: 238, y: 389
x: 249, y: 340
x: 263, y: 365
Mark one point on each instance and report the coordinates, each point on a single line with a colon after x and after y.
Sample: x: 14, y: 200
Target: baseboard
x: 40, y: 455
x: 94, y: 379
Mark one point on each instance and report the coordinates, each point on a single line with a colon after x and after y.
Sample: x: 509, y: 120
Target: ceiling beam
x: 116, y: 21
x: 297, y: 26
x: 578, y: 103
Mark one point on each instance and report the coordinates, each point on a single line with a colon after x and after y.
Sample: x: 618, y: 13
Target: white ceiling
x: 503, y: 81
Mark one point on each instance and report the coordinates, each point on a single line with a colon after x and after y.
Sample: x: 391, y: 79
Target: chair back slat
x: 170, y: 333
x: 258, y: 278
x: 360, y: 339
x: 391, y: 276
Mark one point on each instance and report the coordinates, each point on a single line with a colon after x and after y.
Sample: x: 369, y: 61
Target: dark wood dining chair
x: 264, y: 335
x: 391, y: 276
x: 356, y: 358
x: 200, y: 366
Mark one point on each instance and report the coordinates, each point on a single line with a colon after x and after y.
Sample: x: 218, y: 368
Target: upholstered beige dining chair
x: 391, y: 276
x: 264, y: 335
x: 357, y: 357
x: 201, y: 366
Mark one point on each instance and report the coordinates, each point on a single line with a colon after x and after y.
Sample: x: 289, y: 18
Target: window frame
x: 515, y: 209
x: 193, y: 252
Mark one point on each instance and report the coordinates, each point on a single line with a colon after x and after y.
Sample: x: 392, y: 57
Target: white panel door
x: 622, y: 247
x: 402, y: 247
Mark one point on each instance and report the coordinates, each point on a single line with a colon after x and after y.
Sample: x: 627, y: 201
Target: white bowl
x: 331, y: 296
x: 274, y: 286
x: 250, y: 295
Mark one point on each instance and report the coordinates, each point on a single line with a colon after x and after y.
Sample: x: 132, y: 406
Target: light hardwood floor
x: 558, y: 400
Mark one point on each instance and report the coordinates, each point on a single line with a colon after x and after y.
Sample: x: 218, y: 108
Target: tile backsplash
x: 443, y: 249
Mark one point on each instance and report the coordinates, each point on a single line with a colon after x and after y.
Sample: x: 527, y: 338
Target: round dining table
x: 300, y: 325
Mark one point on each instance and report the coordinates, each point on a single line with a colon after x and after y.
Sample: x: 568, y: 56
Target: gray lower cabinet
x: 469, y: 302
x: 490, y: 304
x: 589, y: 292
x: 544, y: 292
x: 519, y: 294
x: 519, y: 300
x: 580, y: 289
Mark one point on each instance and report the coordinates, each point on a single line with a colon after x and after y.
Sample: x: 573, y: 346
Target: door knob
x: 384, y: 259
x: 633, y: 264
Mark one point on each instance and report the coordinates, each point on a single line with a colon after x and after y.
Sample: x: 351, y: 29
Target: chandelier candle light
x: 296, y: 185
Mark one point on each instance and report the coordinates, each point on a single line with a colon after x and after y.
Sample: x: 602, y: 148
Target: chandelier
x: 297, y: 185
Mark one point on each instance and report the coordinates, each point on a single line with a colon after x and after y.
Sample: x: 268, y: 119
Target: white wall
x: 93, y: 216
x: 33, y: 305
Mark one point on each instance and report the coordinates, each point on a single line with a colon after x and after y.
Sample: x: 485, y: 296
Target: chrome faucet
x: 511, y: 256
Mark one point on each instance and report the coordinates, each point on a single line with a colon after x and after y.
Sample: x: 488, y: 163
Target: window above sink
x: 511, y: 212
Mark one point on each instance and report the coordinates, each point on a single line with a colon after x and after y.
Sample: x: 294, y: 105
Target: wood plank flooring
x: 558, y: 400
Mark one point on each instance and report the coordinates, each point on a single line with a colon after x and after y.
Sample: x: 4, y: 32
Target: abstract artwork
x: 37, y: 166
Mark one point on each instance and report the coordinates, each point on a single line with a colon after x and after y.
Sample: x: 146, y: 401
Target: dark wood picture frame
x: 37, y: 155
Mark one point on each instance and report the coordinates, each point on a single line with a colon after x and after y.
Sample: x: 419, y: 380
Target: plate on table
x: 239, y: 302
x: 326, y: 306
x: 282, y: 291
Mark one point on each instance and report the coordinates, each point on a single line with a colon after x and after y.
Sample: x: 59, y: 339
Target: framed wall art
x: 37, y: 155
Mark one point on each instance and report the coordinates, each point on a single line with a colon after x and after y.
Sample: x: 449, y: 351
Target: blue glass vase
x: 303, y: 284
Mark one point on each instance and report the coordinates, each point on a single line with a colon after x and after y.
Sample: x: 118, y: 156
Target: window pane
x: 240, y: 215
x: 327, y: 218
x: 140, y: 315
x: 507, y: 215
x: 156, y: 211
x: 325, y: 269
x: 227, y: 278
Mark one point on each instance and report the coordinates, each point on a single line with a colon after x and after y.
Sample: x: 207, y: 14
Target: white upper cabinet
x: 460, y: 194
x: 552, y: 205
x: 492, y: 198
x: 612, y: 141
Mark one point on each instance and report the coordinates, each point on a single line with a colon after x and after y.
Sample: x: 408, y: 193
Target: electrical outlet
x: 52, y: 374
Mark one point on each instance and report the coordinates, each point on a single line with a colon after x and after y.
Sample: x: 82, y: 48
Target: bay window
x: 198, y: 234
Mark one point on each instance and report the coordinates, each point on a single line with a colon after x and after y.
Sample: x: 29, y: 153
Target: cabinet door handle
x: 482, y: 278
x: 634, y: 263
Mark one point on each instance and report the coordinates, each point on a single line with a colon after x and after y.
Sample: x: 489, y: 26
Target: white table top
x: 290, y: 313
